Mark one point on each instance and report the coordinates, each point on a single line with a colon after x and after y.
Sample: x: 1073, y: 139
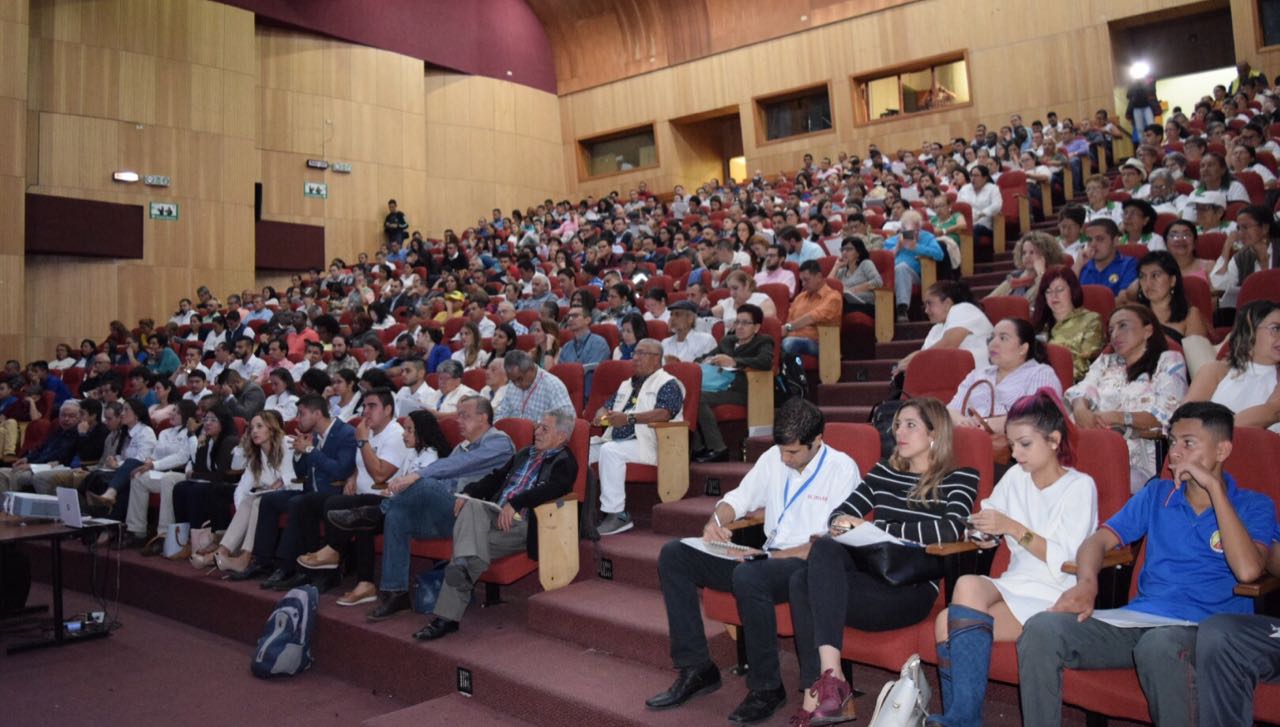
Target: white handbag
x: 176, y: 539
x: 904, y: 702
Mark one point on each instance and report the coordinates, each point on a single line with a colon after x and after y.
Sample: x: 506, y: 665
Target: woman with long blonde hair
x: 918, y: 495
x: 269, y: 467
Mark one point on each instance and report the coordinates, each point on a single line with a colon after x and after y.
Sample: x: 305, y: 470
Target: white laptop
x: 69, y: 510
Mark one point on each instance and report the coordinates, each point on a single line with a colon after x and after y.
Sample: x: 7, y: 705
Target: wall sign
x: 315, y: 189
x: 164, y: 211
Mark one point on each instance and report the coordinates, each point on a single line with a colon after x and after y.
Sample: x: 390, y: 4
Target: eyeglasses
x: 1057, y: 290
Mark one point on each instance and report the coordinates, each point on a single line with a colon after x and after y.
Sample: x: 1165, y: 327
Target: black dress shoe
x: 291, y: 581
x: 256, y: 569
x: 689, y: 683
x: 713, y: 455
x: 759, y: 706
x: 390, y: 605
x: 276, y: 576
x: 357, y: 518
x: 438, y: 628
x: 327, y: 581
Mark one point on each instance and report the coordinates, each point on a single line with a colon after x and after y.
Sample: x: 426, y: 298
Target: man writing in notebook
x: 797, y: 483
x: 1203, y: 535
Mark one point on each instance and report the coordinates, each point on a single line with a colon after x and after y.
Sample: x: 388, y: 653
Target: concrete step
x: 866, y: 370
x: 854, y: 414
x: 449, y: 709
x: 617, y: 619
x: 721, y: 476
x: 866, y: 393
x: 632, y: 557
x: 911, y: 330
x: 895, y: 350
x: 683, y: 518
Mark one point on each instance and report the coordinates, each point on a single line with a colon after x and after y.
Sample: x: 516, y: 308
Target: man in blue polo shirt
x: 1203, y: 535
x: 1099, y: 263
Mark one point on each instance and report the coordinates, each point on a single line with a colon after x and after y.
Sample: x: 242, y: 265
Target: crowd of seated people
x: 322, y: 402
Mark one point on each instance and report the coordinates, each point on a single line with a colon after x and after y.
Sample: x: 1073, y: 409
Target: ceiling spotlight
x: 1139, y: 69
x: 125, y: 177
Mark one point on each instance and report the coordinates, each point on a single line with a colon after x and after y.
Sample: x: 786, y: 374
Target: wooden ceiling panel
x: 600, y: 41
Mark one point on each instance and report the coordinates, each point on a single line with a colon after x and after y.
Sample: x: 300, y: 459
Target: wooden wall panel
x: 994, y: 33
x: 157, y: 87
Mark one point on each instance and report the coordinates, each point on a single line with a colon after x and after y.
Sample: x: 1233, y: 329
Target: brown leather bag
x: 1001, y: 451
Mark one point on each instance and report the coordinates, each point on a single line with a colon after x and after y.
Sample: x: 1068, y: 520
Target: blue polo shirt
x: 1186, y: 575
x: 1117, y: 276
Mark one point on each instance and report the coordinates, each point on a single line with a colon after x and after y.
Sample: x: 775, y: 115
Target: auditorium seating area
x: 581, y: 635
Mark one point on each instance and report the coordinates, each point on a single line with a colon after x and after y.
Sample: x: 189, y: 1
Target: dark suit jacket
x: 248, y: 402
x: 330, y: 463
x: 555, y: 479
x: 754, y: 354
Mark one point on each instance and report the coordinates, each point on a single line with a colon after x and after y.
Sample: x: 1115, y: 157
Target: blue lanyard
x: 788, y: 499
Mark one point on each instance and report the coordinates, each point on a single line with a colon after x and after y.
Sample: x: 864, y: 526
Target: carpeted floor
x: 155, y: 671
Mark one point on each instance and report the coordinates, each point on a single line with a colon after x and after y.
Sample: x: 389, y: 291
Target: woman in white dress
x: 1247, y: 381
x: 270, y: 467
x: 1044, y: 510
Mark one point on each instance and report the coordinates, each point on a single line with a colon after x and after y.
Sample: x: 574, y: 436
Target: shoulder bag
x: 1000, y: 448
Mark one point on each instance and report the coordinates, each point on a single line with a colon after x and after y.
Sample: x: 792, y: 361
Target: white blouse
x: 1240, y: 390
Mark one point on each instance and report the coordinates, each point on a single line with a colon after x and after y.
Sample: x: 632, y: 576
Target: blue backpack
x: 285, y: 646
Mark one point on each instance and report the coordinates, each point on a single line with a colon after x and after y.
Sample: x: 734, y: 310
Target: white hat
x: 1136, y: 165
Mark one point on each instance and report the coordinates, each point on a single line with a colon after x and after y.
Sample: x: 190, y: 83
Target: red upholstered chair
x: 473, y: 379
x: 1209, y: 245
x: 1261, y: 285
x: 1100, y: 300
x: 781, y: 297
x: 388, y: 335
x: 452, y: 326
x: 609, y: 376
x: 1199, y: 295
x: 677, y: 269
x: 1134, y: 251
x: 885, y: 312
x: 1163, y: 220
x: 671, y: 473
x: 520, y: 431
x: 609, y: 332
x: 1015, y: 207
x: 659, y: 281
x: 527, y: 341
x: 527, y: 317
x: 1060, y: 360
x: 73, y: 377
x: 999, y: 307
x: 937, y: 372
x: 658, y: 330
x: 1253, y: 184
x: 573, y: 377
x: 34, y: 436
x: 828, y: 263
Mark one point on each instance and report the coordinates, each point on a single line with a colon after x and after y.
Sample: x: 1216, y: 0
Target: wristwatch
x: 1128, y: 420
x: 789, y: 327
x: 631, y: 420
x: 310, y: 448
x: 1026, y: 538
x: 360, y: 443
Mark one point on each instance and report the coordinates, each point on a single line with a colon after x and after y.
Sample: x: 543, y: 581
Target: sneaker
x: 614, y: 523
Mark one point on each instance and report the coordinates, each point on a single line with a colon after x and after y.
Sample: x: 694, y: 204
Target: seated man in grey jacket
x: 425, y: 508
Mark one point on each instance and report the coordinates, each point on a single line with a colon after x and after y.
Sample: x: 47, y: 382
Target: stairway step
x: 895, y: 350
x: 726, y: 474
x: 616, y: 619
x: 683, y: 518
x: 757, y: 446
x: 854, y: 414
x: 982, y: 291
x: 994, y: 278
x: 633, y: 556
x: 449, y: 709
x: 1003, y: 266
x: 872, y: 369
x: 911, y: 330
x: 865, y: 393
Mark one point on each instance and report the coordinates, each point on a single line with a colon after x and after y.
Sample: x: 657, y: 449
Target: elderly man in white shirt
x: 165, y: 468
x: 495, y: 382
x: 684, y: 343
x: 798, y: 482
x: 416, y: 393
x: 452, y: 390
x: 650, y: 396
